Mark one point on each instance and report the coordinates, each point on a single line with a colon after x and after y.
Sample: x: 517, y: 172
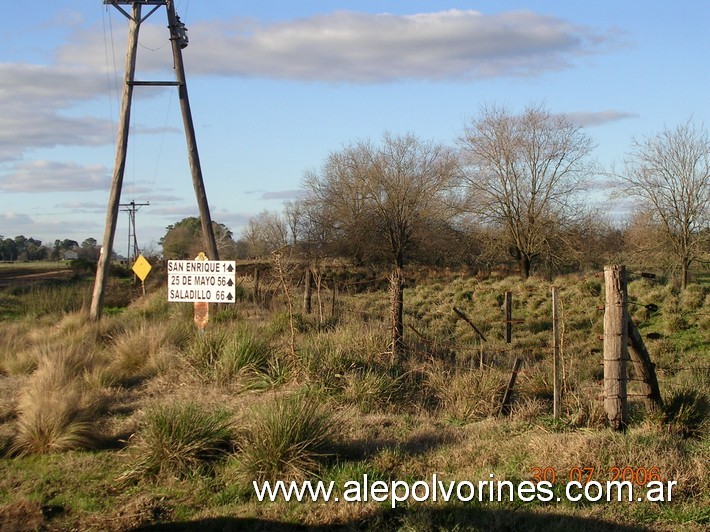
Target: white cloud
x: 598, y: 118
x: 346, y: 46
x: 33, y: 98
x: 290, y: 194
x: 50, y: 176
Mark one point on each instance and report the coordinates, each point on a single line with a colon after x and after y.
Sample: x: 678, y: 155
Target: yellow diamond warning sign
x: 141, y: 267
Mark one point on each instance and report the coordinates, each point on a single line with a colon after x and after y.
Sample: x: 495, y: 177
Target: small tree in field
x: 374, y: 201
x: 523, y: 173
x: 670, y: 175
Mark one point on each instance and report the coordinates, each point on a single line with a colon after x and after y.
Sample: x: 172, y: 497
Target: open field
x: 141, y: 421
x: 12, y: 274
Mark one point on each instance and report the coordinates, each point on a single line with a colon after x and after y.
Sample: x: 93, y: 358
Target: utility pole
x: 131, y: 208
x: 178, y: 38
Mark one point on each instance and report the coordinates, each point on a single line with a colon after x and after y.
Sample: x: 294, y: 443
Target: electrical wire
x: 108, y: 69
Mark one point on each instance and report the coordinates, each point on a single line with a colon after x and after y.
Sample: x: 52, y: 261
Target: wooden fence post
x: 508, y: 395
x: 644, y: 368
x: 256, y: 284
x: 556, y: 362
x: 508, y: 317
x: 308, y: 291
x: 615, y: 346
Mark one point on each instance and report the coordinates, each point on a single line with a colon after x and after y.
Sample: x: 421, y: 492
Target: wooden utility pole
x: 179, y: 41
x: 615, y: 346
x: 97, y: 300
x: 178, y: 38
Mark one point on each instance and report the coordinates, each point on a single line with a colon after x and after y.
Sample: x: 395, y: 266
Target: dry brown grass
x: 466, y: 395
x: 56, y: 408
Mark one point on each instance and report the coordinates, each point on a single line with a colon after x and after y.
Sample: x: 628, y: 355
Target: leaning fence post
x: 508, y: 395
x: 615, y: 346
x: 508, y: 317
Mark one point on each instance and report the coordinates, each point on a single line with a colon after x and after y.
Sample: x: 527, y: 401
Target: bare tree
x: 670, y: 175
x: 523, y: 173
x: 265, y: 233
x: 376, y: 200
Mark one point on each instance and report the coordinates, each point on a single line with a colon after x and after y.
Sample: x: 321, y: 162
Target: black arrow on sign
x: 230, y: 268
x: 229, y: 296
x: 230, y: 283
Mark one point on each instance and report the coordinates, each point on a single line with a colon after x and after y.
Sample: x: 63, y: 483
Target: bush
x: 180, y: 439
x: 286, y: 439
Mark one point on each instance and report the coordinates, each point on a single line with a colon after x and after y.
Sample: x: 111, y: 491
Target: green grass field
x: 141, y: 421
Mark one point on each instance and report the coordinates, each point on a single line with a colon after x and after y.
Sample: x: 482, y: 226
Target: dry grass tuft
x: 56, y: 409
x: 286, y: 439
x: 465, y: 395
x: 180, y: 439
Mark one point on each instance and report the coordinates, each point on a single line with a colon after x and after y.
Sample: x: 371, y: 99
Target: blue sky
x: 275, y: 86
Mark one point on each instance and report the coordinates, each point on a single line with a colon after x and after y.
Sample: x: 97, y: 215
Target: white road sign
x: 211, y: 281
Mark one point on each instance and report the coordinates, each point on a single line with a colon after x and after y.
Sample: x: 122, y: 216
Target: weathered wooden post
x: 615, y: 346
x: 508, y: 395
x: 556, y: 362
x: 508, y: 317
x: 256, y: 284
x: 397, y: 314
x: 644, y: 368
x: 308, y: 291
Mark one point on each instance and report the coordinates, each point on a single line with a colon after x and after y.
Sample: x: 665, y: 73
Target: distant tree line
x: 514, y: 193
x: 24, y: 249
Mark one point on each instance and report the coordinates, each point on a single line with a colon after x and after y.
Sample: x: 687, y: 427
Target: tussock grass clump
x: 138, y: 352
x: 16, y: 355
x: 244, y: 353
x: 57, y: 410
x: 286, y: 439
x: 180, y: 439
x: 224, y: 356
x: 465, y: 396
x: 686, y: 413
x: 693, y: 297
x: 372, y: 389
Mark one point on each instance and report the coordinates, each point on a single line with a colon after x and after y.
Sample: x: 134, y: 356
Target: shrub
x: 286, y: 439
x: 180, y: 439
